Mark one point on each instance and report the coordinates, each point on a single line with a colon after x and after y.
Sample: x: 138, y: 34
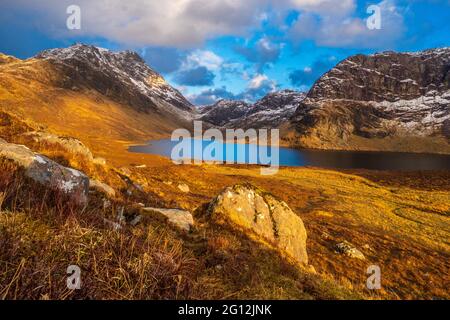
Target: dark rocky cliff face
x: 386, y: 76
x: 400, y: 101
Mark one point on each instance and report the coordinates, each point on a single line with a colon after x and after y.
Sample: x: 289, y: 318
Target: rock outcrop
x: 47, y: 172
x: 349, y: 250
x: 184, y: 188
x: 69, y: 144
x: 387, y: 101
x: 263, y: 218
x: 179, y: 219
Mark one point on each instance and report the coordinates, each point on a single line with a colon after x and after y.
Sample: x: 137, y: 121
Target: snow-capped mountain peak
x: 122, y: 74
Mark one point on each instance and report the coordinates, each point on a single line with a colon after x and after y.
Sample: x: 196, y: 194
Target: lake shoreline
x: 292, y: 157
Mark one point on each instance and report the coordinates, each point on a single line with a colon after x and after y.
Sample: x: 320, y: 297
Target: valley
x: 83, y: 107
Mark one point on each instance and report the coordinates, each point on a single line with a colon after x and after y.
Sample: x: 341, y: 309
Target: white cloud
x: 204, y: 58
x: 176, y: 23
x: 325, y: 7
x: 189, y: 23
x: 330, y: 30
x: 257, y: 81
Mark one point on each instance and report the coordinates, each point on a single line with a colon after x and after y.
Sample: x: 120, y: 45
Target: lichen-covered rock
x: 47, y: 172
x: 180, y: 219
x: 349, y: 250
x: 264, y: 218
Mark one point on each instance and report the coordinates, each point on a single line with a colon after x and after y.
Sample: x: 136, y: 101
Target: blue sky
x: 233, y: 49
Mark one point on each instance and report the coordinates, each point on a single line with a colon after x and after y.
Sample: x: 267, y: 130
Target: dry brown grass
x: 401, y: 226
x: 42, y: 233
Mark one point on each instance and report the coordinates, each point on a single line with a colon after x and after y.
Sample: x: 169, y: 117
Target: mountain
x: 382, y: 102
x: 90, y: 92
x: 224, y: 113
x: 387, y: 101
x: 269, y: 112
x: 123, y: 76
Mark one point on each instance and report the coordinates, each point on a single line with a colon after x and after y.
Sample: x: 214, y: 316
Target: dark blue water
x: 239, y: 153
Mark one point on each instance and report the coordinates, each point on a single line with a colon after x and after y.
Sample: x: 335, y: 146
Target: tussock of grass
x: 35, y: 254
x: 42, y: 233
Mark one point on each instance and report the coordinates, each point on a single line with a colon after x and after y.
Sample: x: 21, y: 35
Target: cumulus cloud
x: 198, y: 68
x: 258, y: 86
x: 325, y: 7
x: 189, y: 23
x: 174, y: 23
x: 307, y: 76
x: 204, y: 58
x: 337, y: 30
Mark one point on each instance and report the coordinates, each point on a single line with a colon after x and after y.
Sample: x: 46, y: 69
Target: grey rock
x: 349, y: 250
x: 180, y: 219
x: 47, y: 172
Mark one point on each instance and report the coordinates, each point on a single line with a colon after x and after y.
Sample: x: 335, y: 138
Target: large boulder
x: 264, y: 218
x: 47, y: 172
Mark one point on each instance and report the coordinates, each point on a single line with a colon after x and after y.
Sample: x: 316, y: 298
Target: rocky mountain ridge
x: 387, y: 101
x: 269, y: 112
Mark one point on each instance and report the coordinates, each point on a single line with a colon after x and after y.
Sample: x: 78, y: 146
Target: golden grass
x: 42, y: 233
x: 404, y: 230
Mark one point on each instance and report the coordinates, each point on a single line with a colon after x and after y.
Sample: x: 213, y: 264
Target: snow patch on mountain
x: 269, y: 112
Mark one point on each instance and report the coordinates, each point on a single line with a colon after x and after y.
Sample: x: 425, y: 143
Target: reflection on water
x: 239, y: 153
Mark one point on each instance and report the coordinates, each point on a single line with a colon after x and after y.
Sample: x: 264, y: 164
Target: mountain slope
x: 388, y: 101
x: 269, y: 112
x: 92, y: 93
x: 123, y: 76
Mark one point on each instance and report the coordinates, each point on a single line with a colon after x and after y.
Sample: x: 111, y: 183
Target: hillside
x: 387, y: 101
x: 91, y: 93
